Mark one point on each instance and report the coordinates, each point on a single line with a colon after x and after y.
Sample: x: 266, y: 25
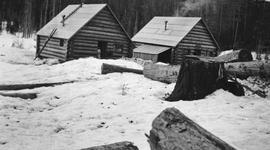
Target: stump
x: 197, y: 79
x: 172, y: 130
x: 116, y: 146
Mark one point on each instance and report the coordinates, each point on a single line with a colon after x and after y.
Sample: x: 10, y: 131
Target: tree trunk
x: 115, y: 146
x: 172, y: 130
x: 235, y: 56
x: 107, y: 68
x: 246, y: 69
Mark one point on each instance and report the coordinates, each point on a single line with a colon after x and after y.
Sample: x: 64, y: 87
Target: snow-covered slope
x: 102, y: 109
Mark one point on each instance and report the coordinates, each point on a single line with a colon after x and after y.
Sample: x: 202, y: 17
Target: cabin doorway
x: 165, y: 57
x: 102, y: 46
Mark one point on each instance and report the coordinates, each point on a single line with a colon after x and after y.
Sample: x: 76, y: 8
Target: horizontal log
x: 239, y: 55
x: 80, y: 52
x: 199, y: 39
x: 19, y: 95
x: 194, y: 32
x: 49, y: 51
x: 199, y: 36
x: 44, y: 55
x: 116, y: 146
x: 194, y: 45
x: 103, y: 38
x: 175, y: 131
x: 198, y: 42
x: 30, y: 86
x: 162, y: 73
x: 246, y: 69
x: 102, y: 33
x: 107, y: 68
x: 55, y: 47
x: 107, y: 30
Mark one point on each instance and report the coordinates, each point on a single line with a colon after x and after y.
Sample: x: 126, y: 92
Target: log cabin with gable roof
x: 81, y: 31
x: 169, y: 39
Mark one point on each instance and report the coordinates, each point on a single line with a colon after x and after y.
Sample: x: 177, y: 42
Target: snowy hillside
x: 102, y: 109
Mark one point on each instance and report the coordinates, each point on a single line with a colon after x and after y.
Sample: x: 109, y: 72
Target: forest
x: 235, y: 24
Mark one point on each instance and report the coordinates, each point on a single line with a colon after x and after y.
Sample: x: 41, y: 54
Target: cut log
x: 239, y: 69
x: 116, y: 146
x: 107, y: 68
x: 246, y: 69
x: 235, y: 56
x: 20, y: 95
x: 30, y: 86
x: 162, y: 73
x: 172, y: 130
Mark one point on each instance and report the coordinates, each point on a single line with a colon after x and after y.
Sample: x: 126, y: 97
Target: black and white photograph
x: 134, y: 74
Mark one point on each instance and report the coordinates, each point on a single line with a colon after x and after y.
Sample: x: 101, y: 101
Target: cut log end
x: 173, y: 130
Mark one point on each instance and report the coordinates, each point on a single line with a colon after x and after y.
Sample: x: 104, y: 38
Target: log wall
x: 199, y: 41
x: 105, y: 28
x: 53, y: 48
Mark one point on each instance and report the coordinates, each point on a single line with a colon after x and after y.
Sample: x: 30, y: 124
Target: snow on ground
x: 102, y: 109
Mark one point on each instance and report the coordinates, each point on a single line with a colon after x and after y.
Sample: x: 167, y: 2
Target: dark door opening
x: 102, y: 46
x: 165, y: 57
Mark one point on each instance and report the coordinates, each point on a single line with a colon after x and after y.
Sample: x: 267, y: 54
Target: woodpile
x: 116, y: 146
x: 172, y: 130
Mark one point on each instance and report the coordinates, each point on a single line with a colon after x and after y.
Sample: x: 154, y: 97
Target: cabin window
x: 118, y: 47
x: 61, y: 42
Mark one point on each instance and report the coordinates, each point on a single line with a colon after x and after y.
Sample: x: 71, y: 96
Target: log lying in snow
x: 20, y: 95
x: 235, y: 56
x: 115, y: 146
x: 107, y: 68
x: 240, y: 69
x: 162, y: 73
x: 30, y: 86
x: 173, y: 130
x: 246, y: 69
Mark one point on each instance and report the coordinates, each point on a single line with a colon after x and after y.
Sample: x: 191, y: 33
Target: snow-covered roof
x: 150, y: 49
x: 73, y: 23
x: 177, y: 28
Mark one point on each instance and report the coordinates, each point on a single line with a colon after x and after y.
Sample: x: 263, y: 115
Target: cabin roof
x: 150, y: 49
x: 177, y: 28
x: 73, y: 23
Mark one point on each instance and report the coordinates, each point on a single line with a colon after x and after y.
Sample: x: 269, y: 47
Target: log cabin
x: 81, y: 31
x: 169, y: 39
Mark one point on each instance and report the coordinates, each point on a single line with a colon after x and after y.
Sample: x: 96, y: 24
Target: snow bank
x: 102, y: 109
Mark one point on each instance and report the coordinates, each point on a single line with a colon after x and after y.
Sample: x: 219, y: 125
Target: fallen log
x: 235, y: 56
x: 107, y: 68
x: 173, y: 130
x: 162, y: 73
x: 239, y: 69
x: 20, y: 95
x: 30, y: 86
x: 246, y: 69
x: 116, y: 146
